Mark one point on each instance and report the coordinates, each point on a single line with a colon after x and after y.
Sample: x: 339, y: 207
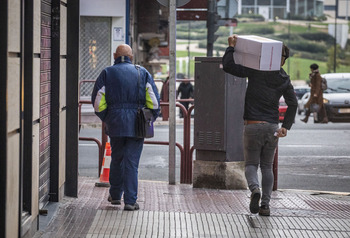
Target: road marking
x: 319, y: 175
x: 305, y: 146
x: 314, y: 156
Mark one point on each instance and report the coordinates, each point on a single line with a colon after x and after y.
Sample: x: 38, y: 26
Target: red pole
x: 184, y: 160
x: 189, y: 155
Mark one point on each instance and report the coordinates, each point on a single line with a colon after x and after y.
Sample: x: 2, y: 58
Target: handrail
x: 184, y: 151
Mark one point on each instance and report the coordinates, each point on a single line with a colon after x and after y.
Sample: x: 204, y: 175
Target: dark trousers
x: 259, y: 150
x: 123, y: 175
x: 185, y: 104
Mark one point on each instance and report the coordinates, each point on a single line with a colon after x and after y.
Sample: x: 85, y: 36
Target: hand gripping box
x: 258, y: 52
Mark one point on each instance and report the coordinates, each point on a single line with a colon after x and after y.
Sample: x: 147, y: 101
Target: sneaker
x: 129, y: 207
x: 114, y: 202
x: 254, y: 201
x: 264, y: 210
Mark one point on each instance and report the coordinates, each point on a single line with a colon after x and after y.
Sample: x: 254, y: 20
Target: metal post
x: 172, y: 89
x: 255, y: 6
x: 288, y: 14
x: 210, y: 26
x: 271, y: 10
x: 188, y: 50
x: 72, y: 97
x: 239, y: 7
x: 335, y: 37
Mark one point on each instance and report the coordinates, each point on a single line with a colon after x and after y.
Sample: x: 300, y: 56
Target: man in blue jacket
x: 118, y: 93
x: 261, y: 119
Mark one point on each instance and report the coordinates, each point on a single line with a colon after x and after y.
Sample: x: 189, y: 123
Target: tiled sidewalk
x: 182, y: 211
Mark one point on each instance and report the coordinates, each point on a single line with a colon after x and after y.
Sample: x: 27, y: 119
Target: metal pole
x: 210, y: 26
x: 335, y: 37
x: 271, y: 10
x: 188, y: 50
x: 288, y: 14
x: 172, y: 89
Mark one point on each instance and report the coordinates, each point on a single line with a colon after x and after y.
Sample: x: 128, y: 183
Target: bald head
x: 123, y: 50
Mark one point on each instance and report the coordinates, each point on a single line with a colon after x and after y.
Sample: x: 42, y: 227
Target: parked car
x: 282, y: 109
x: 302, y: 102
x: 301, y: 90
x: 336, y: 97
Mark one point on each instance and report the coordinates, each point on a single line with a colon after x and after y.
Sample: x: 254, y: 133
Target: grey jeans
x: 259, y: 149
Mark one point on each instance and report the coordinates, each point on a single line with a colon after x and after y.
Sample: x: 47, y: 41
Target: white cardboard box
x: 258, y: 52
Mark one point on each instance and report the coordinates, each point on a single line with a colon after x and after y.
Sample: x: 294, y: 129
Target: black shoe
x: 264, y: 210
x: 304, y: 120
x: 114, y: 202
x: 254, y: 201
x: 129, y: 207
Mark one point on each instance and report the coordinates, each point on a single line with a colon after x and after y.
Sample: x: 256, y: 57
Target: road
x: 311, y: 157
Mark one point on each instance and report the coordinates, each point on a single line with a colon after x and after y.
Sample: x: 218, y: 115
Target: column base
x: 219, y: 175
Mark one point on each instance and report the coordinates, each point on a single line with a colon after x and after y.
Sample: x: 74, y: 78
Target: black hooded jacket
x: 264, y: 90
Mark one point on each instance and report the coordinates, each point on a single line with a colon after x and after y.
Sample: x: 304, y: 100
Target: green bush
x: 308, y: 18
x: 322, y: 18
x: 313, y: 56
x: 291, y: 37
x: 255, y: 17
x: 311, y: 47
x: 261, y: 30
x: 193, y: 36
x: 319, y: 36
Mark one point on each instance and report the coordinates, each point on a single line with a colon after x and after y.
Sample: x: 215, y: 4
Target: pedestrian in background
x: 316, y: 96
x: 185, y: 90
x: 261, y: 130
x: 118, y: 93
x: 164, y: 97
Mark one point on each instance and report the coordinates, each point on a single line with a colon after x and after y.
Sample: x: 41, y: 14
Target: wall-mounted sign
x: 118, y: 34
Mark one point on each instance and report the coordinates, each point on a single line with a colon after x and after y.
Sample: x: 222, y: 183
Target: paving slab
x: 183, y: 211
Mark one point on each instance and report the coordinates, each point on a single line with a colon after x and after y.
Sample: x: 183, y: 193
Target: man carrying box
x: 261, y: 131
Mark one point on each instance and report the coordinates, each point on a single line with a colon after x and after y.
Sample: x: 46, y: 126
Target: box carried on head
x: 258, y: 53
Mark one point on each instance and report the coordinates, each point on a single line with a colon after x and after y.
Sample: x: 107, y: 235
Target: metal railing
x: 186, y: 163
x: 186, y: 151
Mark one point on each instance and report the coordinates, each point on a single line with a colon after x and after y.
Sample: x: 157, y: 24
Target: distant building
x: 279, y: 8
x: 343, y: 8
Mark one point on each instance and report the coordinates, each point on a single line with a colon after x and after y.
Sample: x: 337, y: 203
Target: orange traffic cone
x: 104, y: 176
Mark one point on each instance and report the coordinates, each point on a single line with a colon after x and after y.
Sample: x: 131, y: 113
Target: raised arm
x: 228, y: 62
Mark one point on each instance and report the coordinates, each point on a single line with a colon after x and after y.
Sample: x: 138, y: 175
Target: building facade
x: 39, y: 109
x: 271, y: 9
x: 341, y: 8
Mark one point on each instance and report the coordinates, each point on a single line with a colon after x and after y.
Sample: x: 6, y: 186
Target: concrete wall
x: 343, y: 8
x: 13, y: 118
x: 119, y: 23
x: 62, y: 99
x: 112, y: 8
x: 115, y: 9
x: 13, y: 157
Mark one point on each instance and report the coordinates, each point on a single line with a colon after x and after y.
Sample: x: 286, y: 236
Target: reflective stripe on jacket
x: 117, y: 96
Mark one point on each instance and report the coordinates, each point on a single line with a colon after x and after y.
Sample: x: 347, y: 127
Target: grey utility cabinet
x: 219, y: 106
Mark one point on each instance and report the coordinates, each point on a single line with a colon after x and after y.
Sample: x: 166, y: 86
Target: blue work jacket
x: 118, y: 93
